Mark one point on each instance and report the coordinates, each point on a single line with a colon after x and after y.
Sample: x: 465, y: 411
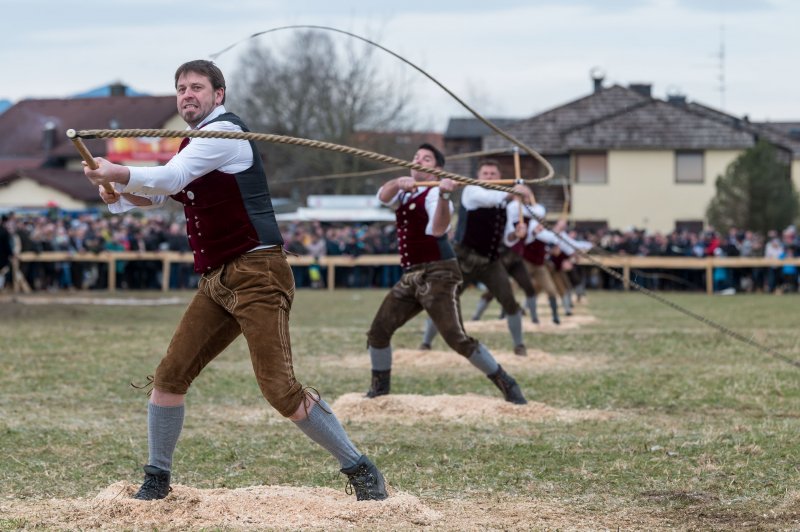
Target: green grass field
x: 705, y: 432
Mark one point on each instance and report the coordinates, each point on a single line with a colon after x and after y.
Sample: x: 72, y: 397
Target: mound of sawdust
x: 253, y: 508
x: 545, y: 325
x: 468, y: 408
x: 286, y: 508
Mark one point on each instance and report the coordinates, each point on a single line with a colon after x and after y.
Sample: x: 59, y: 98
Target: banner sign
x: 158, y: 150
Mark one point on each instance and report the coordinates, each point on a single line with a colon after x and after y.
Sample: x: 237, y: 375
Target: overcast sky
x: 506, y: 58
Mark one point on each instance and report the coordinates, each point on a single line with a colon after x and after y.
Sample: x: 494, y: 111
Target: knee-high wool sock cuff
x: 164, y: 425
x: 323, y: 428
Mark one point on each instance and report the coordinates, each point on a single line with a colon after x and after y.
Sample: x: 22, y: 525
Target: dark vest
x: 482, y: 230
x: 414, y: 245
x: 228, y: 214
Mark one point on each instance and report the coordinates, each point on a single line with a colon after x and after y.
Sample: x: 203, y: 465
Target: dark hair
x: 488, y: 162
x: 438, y: 155
x: 204, y: 68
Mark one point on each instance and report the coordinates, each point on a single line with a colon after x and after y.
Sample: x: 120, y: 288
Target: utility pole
x: 721, y: 75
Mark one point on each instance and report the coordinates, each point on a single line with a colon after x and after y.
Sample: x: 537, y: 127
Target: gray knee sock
x: 164, y: 424
x: 482, y: 359
x: 381, y: 358
x: 482, y: 305
x: 553, y: 306
x: 430, y: 332
x: 566, y: 300
x: 326, y: 430
x: 530, y: 302
x: 515, y: 327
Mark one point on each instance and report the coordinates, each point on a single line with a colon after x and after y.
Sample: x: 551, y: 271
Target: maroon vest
x: 228, y: 214
x: 534, y: 252
x: 558, y: 260
x: 414, y: 245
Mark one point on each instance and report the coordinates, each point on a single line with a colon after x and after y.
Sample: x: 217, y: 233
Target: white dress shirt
x: 476, y: 197
x: 200, y: 157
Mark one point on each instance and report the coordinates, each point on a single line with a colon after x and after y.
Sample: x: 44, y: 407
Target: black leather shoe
x: 365, y: 480
x: 155, y: 485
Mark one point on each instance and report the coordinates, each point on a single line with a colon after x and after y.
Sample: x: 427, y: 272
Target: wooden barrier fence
x: 167, y: 258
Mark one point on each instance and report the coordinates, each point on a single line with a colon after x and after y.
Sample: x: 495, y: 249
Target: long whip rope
x: 379, y: 171
x: 675, y: 306
x: 530, y: 151
x: 283, y: 139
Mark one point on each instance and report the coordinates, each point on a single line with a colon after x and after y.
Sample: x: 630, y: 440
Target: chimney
x: 117, y: 89
x: 598, y: 76
x: 642, y: 88
x: 678, y: 100
x: 49, y: 137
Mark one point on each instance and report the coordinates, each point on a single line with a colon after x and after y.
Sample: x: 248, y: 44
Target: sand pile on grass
x: 468, y: 408
x: 545, y: 325
x: 253, y: 508
x: 292, y: 508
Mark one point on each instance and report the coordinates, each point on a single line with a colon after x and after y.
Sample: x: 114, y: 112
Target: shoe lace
x: 358, y: 481
x: 150, y: 379
x: 150, y: 483
x: 153, y: 483
x: 315, y: 397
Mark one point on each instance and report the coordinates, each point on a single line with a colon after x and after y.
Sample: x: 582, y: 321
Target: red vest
x: 228, y: 214
x: 534, y: 252
x: 558, y: 260
x: 414, y: 245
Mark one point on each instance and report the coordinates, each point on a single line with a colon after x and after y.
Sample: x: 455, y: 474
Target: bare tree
x: 313, y: 89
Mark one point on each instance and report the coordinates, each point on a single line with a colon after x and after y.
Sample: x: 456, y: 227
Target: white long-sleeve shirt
x: 512, y: 219
x: 568, y: 244
x: 431, y: 201
x: 475, y: 197
x: 200, y: 157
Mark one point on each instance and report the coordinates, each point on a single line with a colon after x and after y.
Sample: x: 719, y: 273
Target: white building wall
x: 641, y: 190
x: 25, y: 192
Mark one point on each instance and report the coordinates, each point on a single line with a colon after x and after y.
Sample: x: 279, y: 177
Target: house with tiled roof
x: 39, y: 165
x: 625, y: 158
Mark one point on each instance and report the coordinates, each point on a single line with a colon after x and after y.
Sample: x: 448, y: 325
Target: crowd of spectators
x: 92, y: 233
x: 710, y: 243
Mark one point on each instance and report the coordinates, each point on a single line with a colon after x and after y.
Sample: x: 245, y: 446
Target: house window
x: 591, y: 168
x: 689, y: 167
x: 560, y: 164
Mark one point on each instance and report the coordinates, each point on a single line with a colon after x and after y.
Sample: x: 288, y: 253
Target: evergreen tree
x: 756, y: 192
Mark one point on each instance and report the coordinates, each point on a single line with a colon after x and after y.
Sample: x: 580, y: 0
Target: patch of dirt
x: 253, y: 508
x: 468, y: 408
x: 545, y: 325
x: 293, y: 508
